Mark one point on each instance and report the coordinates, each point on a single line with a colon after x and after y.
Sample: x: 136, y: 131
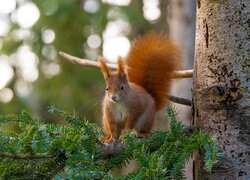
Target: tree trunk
x: 221, y: 94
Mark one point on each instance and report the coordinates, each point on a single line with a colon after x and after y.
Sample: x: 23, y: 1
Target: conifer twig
x: 84, y: 62
x: 27, y: 156
x: 111, y: 150
x: 94, y: 64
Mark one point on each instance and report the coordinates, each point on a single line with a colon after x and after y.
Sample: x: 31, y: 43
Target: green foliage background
x: 74, y: 88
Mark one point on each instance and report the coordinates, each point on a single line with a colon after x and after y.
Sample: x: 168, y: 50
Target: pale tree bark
x: 181, y: 19
x: 221, y: 92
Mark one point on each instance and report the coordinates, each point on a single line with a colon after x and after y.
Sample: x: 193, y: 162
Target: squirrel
x: 139, y: 88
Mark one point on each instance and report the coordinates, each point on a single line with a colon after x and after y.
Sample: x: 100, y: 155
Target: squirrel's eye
x: 121, y: 87
x: 107, y: 88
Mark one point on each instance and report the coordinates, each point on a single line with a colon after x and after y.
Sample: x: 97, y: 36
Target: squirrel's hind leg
x: 145, y: 123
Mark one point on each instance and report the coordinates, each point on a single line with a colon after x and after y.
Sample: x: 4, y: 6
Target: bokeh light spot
x: 117, y: 2
x: 151, y: 11
x: 27, y: 15
x: 91, y: 6
x: 114, y: 47
x: 48, y: 36
x: 6, y: 95
x: 7, y: 6
x: 6, y: 71
x: 94, y: 41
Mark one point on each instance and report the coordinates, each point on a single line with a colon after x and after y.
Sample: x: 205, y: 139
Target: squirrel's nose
x: 115, y: 97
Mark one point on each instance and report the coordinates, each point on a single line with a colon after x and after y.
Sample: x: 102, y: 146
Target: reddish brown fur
x: 132, y: 98
x: 150, y: 62
x: 104, y: 68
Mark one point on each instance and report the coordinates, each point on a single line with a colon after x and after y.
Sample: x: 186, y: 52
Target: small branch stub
x: 180, y: 100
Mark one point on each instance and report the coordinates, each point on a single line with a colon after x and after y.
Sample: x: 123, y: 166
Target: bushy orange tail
x: 150, y: 62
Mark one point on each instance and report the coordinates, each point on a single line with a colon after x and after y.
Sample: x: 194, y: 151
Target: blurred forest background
x: 32, y: 32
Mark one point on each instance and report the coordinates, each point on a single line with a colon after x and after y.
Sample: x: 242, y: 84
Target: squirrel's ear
x: 121, y: 71
x: 104, y: 68
x: 120, y: 65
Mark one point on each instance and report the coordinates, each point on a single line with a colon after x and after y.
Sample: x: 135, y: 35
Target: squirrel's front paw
x: 143, y: 134
x: 107, y: 139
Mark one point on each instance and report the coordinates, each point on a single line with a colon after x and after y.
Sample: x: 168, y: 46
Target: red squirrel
x: 139, y: 88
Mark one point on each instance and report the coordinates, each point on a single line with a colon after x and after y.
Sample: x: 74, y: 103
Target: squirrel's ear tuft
x: 120, y: 65
x: 121, y: 71
x: 104, y: 68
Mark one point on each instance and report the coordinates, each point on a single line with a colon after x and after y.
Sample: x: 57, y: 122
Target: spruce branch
x: 75, y: 152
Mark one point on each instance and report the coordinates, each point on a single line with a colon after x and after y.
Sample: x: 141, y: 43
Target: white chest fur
x: 119, y: 112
